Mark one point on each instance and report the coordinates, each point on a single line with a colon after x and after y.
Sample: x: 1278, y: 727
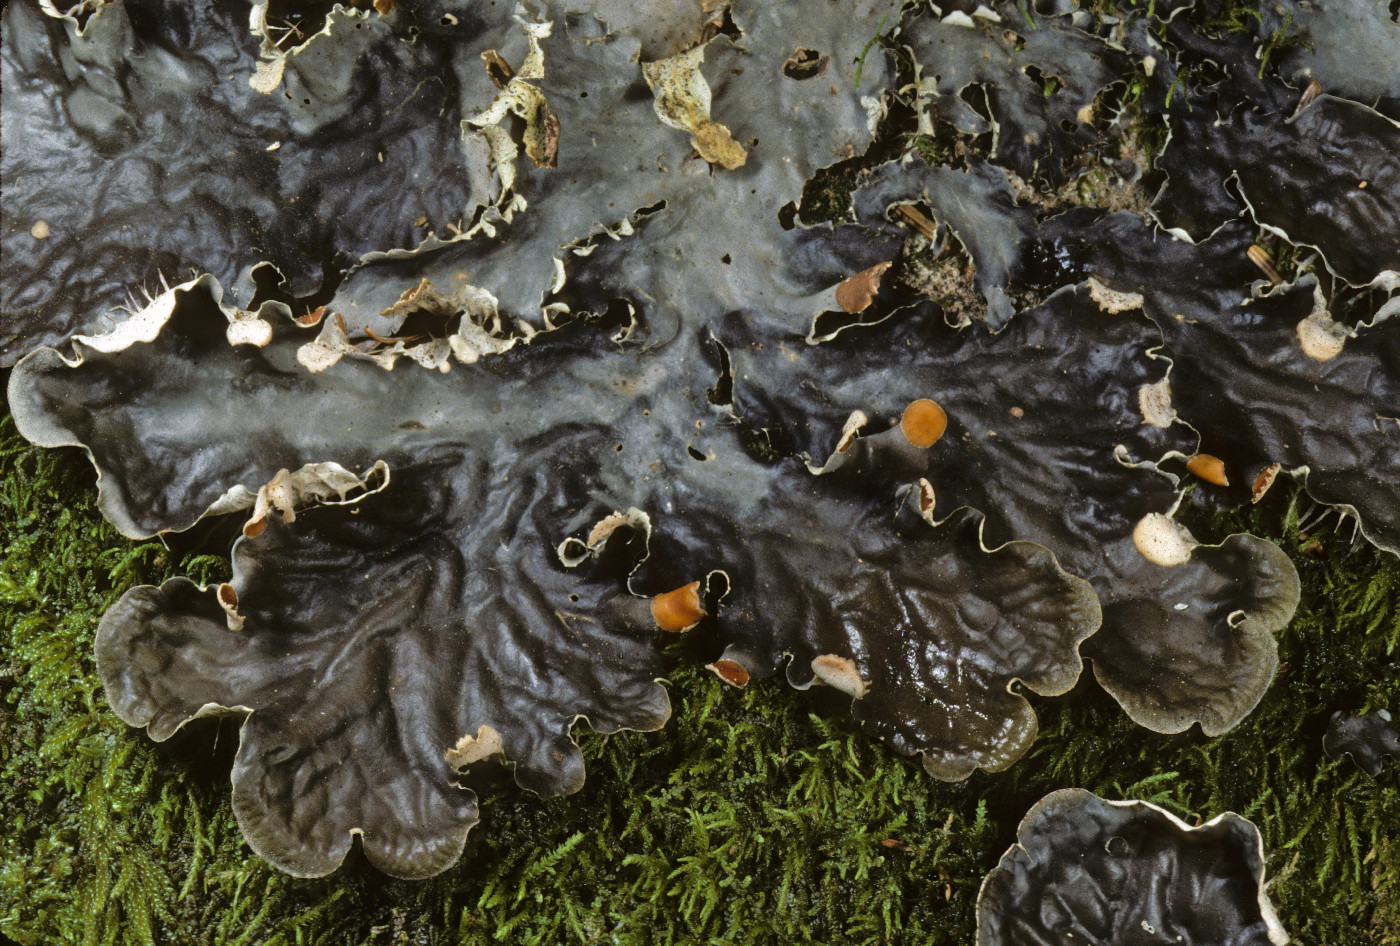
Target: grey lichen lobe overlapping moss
x: 1088, y: 870
x: 1369, y: 740
x: 720, y: 289
x: 1040, y: 82
x: 1061, y: 422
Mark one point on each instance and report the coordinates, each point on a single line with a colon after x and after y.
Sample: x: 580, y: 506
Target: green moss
x: 874, y: 41
x: 1224, y: 17
x: 1285, y: 37
x: 932, y: 150
x: 1287, y: 258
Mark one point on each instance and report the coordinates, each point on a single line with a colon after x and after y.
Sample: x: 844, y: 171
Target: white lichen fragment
x: 1321, y: 338
x: 573, y: 552
x: 471, y: 342
x: 1162, y: 540
x: 854, y: 423
x: 603, y: 529
x: 142, y: 326
x: 1155, y: 403
x: 327, y: 348
x: 1111, y: 300
x: 90, y: 9
x: 245, y: 328
x: 267, y: 76
x: 480, y: 332
x: 682, y: 100
x: 288, y: 491
x: 485, y: 744
x: 228, y: 602
x: 275, y: 51
x: 235, y: 499
x: 841, y: 673
x: 849, y: 433
x: 525, y: 101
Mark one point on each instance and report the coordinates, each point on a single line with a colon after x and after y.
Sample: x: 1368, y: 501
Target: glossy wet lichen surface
x: 650, y: 367
x: 754, y: 817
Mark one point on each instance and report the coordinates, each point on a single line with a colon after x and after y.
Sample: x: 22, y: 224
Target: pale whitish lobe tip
x: 841, y: 673
x: 1155, y: 403
x: 1321, y: 338
x: 485, y: 744
x: 1111, y: 300
x: 249, y: 332
x: 1163, y: 541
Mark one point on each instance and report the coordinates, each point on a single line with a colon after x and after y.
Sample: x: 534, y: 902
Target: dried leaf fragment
x: 1263, y: 481
x: 918, y: 220
x: 1260, y: 257
x: 542, y: 136
x: 855, y: 293
x: 1311, y: 92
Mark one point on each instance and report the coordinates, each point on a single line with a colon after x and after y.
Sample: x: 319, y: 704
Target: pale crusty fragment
x: 683, y: 101
x: 485, y: 744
